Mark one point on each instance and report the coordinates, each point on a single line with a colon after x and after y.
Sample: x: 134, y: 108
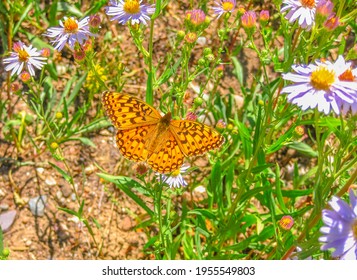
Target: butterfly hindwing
x: 195, y: 138
x: 167, y: 157
x: 131, y: 142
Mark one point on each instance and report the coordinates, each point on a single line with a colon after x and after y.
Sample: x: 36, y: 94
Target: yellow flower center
x: 308, y: 3
x: 23, y: 55
x: 70, y: 26
x: 227, y: 6
x: 322, y: 78
x: 132, y: 6
x: 175, y: 173
x: 347, y: 76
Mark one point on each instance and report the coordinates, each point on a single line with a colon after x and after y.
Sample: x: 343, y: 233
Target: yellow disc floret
x: 308, y: 3
x: 227, y: 6
x: 132, y: 6
x: 70, y: 26
x: 23, y: 55
x: 322, y: 78
x: 175, y: 173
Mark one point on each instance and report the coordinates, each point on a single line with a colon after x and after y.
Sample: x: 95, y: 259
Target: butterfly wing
x: 195, y: 138
x: 126, y: 111
x: 131, y: 142
x: 167, y: 156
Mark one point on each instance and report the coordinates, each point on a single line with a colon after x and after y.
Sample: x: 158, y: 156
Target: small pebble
x: 40, y: 170
x: 50, y: 181
x: 200, y: 189
x: 28, y: 243
x: 37, y: 205
x: 201, y: 41
x: 59, y: 195
x: 4, y: 206
x: 66, y: 190
x: 2, y: 193
x: 126, y: 223
x: 90, y: 169
x: 7, y: 219
x: 73, y: 197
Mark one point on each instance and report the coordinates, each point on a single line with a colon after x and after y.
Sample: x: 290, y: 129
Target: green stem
x: 149, y: 88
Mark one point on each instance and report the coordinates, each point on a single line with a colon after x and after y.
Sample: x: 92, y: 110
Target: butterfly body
x: 144, y: 135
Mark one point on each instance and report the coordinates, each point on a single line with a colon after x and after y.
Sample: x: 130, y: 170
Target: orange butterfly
x: 144, y: 135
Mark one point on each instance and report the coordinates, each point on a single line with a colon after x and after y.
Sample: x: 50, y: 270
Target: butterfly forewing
x: 127, y: 111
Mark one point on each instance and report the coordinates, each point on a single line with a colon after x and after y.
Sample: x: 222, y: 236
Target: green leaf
x: 169, y: 71
x: 303, y: 148
x: 69, y: 211
x: 238, y: 70
x: 22, y: 18
x: 296, y: 193
x: 68, y: 8
x: 202, y: 212
x: 126, y: 184
x: 64, y: 174
x: 84, y: 140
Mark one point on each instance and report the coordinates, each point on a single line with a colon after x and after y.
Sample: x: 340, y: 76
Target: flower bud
x: 264, y: 16
x: 79, y: 55
x: 191, y: 37
x: 191, y: 116
x: 198, y: 101
x: 249, y: 20
x: 207, y: 51
x: 324, y: 9
x: 286, y: 222
x: 180, y: 35
x: 25, y: 76
x: 221, y: 124
x: 210, y: 57
x: 54, y: 145
x: 45, y: 52
x: 332, y: 22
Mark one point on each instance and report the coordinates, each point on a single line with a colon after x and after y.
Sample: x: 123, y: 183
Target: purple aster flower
x: 24, y: 57
x: 70, y: 31
x: 175, y: 179
x: 340, y: 230
x: 224, y: 6
x: 302, y: 10
x: 318, y: 85
x: 129, y: 10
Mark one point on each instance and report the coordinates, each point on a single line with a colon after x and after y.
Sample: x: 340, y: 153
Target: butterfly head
x: 165, y: 120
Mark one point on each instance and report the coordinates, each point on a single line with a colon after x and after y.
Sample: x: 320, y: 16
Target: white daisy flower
x: 320, y: 85
x: 301, y: 10
x: 224, y: 6
x: 175, y: 179
x: 70, y: 31
x: 24, y: 57
x: 129, y: 10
